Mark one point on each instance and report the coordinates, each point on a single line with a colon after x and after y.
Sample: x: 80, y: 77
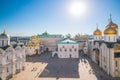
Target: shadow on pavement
x: 96, y: 70
x: 57, y: 68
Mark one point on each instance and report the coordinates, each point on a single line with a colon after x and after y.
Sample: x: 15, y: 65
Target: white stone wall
x: 11, y: 60
x: 4, y: 42
x: 66, y: 54
x: 32, y: 50
x: 97, y: 37
x: 110, y: 38
x: 50, y: 43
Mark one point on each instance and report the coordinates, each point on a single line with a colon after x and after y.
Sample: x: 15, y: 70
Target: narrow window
x: 70, y: 50
x: 65, y: 50
x: 75, y: 50
x: 109, y: 38
x: 60, y: 49
x: 114, y: 38
x: 116, y: 63
x: 7, y: 58
x: 2, y: 43
x: 7, y: 70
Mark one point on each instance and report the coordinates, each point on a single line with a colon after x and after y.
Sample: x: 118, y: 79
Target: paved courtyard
x: 44, y: 67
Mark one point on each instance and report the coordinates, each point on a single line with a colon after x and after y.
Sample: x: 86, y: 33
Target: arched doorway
x: 36, y: 50
x: 56, y: 55
x: 70, y: 56
x: 97, y: 56
x: 47, y: 49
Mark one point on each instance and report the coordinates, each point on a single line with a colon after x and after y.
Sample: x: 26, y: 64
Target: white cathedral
x: 105, y: 50
x: 12, y: 57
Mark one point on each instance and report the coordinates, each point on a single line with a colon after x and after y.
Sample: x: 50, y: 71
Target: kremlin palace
x: 103, y: 50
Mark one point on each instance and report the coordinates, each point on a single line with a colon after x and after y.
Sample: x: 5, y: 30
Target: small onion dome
x: 3, y: 36
x: 110, y: 30
x: 97, y: 32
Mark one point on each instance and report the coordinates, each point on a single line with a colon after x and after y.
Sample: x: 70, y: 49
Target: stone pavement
x: 44, y: 67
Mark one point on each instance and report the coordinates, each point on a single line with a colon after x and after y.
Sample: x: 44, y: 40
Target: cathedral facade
x: 105, y: 50
x: 12, y: 57
x: 33, y: 46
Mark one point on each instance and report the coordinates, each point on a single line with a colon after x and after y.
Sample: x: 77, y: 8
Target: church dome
x: 113, y: 25
x: 110, y: 30
x: 97, y: 32
x: 3, y: 36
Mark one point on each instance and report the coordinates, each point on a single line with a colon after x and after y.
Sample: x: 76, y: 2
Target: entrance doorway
x: 36, y: 51
x: 97, y: 56
x: 47, y: 49
x: 56, y: 55
x: 70, y: 56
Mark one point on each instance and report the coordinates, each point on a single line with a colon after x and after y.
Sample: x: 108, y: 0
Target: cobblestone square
x: 44, y: 67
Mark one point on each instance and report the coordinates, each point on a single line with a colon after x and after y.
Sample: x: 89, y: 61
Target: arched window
x: 114, y: 38
x: 7, y: 58
x: 63, y: 46
x: 7, y: 70
x: 109, y: 38
x: 116, y: 63
x: 70, y: 50
x: 75, y: 50
x: 65, y: 50
x: 2, y: 43
x: 60, y: 49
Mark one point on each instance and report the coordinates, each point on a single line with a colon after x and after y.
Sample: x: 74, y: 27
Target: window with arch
x: 2, y: 42
x: 63, y: 46
x: 116, y: 63
x: 114, y: 38
x: 7, y: 58
x: 7, y: 69
x: 60, y: 49
x: 70, y: 50
x: 65, y: 50
x: 75, y: 50
x: 109, y: 38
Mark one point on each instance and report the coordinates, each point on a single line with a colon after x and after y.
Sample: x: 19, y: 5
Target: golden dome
x: 97, y: 32
x: 113, y: 25
x: 110, y: 30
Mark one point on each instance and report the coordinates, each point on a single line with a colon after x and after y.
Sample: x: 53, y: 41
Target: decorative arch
x: 97, y: 54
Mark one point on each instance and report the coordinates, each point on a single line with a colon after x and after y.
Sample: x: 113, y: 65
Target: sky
x: 32, y: 17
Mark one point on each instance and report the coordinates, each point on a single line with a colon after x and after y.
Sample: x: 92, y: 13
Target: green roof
x: 67, y: 41
x: 46, y: 35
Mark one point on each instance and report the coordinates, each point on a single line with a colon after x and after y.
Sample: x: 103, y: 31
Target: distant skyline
x: 30, y: 17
